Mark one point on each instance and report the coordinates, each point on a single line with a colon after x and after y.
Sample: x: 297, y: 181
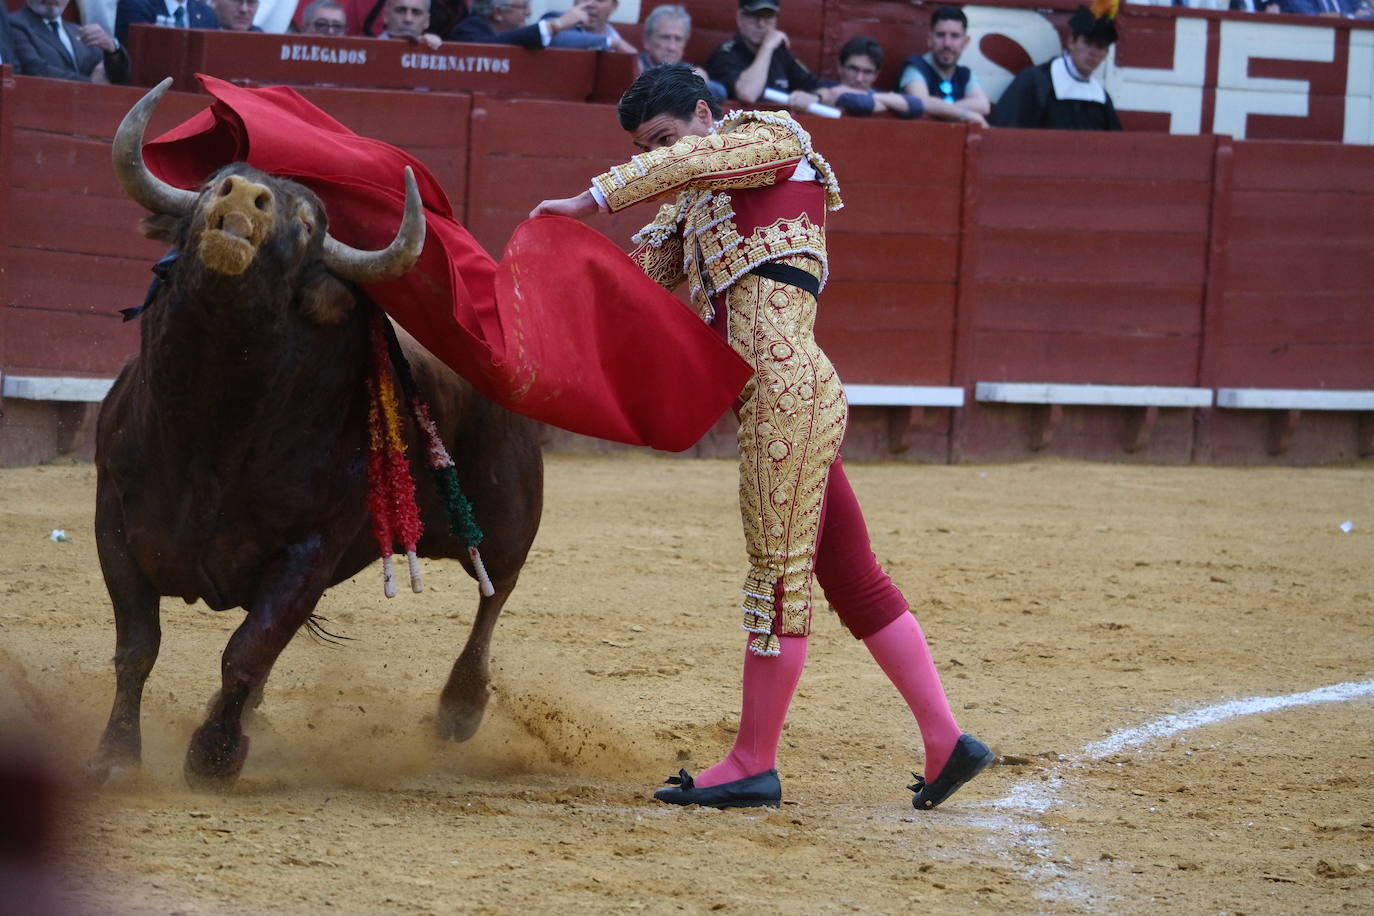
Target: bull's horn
x: 393, y: 260
x: 127, y: 151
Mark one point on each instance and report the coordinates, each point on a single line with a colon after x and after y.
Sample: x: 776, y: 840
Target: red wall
x: 961, y: 256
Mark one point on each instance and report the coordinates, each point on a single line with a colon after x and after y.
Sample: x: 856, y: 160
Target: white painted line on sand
x: 1209, y: 715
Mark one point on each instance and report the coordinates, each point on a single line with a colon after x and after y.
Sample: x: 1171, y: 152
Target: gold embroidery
x: 791, y: 424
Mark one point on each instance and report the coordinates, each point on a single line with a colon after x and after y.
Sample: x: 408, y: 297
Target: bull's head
x: 239, y: 210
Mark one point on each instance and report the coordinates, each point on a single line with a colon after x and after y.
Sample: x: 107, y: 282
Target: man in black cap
x: 1061, y: 94
x: 758, y: 58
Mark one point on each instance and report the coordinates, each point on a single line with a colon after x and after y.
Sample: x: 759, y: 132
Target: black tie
x: 57, y: 33
x: 179, y: 17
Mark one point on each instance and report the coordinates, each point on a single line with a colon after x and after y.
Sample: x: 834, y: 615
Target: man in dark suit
x: 503, y: 22
x: 190, y: 14
x: 46, y: 45
x: 7, y: 55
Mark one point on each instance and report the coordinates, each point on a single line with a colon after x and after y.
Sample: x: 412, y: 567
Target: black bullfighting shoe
x: 970, y: 757
x: 762, y: 790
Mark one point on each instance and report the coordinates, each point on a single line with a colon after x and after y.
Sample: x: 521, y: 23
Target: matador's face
x: 666, y: 129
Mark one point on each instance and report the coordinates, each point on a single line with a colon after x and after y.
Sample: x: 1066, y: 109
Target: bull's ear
x: 161, y: 227
x: 325, y: 299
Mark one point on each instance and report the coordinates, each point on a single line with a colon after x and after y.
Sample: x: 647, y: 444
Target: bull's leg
x: 464, y: 699
x: 219, y: 747
x: 138, y: 635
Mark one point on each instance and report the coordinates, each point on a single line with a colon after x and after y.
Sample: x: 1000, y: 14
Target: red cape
x: 565, y: 329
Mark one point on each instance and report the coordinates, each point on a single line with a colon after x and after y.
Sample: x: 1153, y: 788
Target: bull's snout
x: 239, y: 215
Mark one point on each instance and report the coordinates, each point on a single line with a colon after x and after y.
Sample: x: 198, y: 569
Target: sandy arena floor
x: 1072, y: 608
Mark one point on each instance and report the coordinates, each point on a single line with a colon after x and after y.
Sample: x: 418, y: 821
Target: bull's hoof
x: 214, y: 759
x: 110, y: 770
x: 459, y: 720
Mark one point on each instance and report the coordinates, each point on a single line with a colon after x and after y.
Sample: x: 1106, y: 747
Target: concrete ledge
x: 53, y: 388
x: 904, y: 396
x: 1293, y: 399
x: 1092, y: 395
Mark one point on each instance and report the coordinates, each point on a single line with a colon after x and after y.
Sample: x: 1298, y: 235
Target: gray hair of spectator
x: 667, y: 11
x: 485, y: 8
x: 949, y: 13
x: 862, y: 44
x: 671, y: 89
x: 313, y: 9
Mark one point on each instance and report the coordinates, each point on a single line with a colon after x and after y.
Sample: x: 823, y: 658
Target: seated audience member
x: 1061, y: 94
x: 596, y: 33
x: 1329, y: 8
x: 190, y: 14
x: 1254, y: 6
x: 758, y: 58
x: 503, y: 22
x: 938, y: 75
x: 7, y: 55
x: 324, y: 17
x: 409, y: 19
x: 236, y: 15
x: 860, y: 60
x: 47, y: 45
x: 666, y: 31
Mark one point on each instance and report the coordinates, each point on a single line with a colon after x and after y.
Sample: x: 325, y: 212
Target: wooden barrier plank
x: 1277, y: 217
x: 1073, y: 306
x: 1348, y: 365
x: 893, y: 258
x: 1326, y: 317
x: 90, y: 110
x: 44, y: 342
x: 1098, y: 157
x: 1277, y: 165
x: 1088, y: 358
x: 1066, y: 255
x: 1306, y: 265
x: 1012, y: 202
x: 77, y: 224
x: 60, y: 281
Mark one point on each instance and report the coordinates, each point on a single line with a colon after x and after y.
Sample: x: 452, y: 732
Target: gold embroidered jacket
x: 735, y: 206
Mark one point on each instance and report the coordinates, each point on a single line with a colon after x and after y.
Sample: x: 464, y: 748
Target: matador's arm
x: 752, y: 155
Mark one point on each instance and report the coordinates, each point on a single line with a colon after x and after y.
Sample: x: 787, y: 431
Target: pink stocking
x: 769, y: 682
x: 900, y: 650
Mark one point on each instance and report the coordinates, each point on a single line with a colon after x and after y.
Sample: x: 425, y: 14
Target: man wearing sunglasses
x: 937, y: 75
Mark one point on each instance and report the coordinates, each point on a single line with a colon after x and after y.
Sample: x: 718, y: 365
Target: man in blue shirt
x: 937, y: 75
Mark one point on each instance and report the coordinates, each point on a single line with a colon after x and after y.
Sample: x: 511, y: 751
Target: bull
x: 231, y: 452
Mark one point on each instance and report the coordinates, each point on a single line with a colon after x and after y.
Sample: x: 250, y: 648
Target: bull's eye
x: 263, y: 202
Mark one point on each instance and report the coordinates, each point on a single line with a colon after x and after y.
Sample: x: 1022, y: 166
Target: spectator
x: 324, y: 17
x: 1062, y: 94
x: 503, y: 22
x: 596, y: 33
x: 666, y: 31
x: 47, y: 45
x: 1328, y: 8
x: 236, y: 15
x: 409, y: 19
x: 758, y: 58
x: 938, y: 75
x: 7, y: 53
x: 191, y: 14
x: 1254, y: 6
x: 860, y: 60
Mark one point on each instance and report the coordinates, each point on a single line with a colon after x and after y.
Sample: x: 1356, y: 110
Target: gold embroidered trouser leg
x: 791, y: 424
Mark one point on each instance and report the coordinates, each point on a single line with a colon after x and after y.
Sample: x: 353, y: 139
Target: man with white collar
x: 1061, y: 94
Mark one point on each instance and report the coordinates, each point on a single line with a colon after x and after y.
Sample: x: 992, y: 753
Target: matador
x: 743, y: 226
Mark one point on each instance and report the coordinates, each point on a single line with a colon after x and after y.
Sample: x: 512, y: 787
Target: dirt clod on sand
x: 1066, y: 605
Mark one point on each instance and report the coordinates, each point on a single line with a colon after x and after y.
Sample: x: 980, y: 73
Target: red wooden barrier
x: 373, y: 63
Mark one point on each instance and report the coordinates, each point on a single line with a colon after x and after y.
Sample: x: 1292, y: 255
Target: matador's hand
x: 577, y: 207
